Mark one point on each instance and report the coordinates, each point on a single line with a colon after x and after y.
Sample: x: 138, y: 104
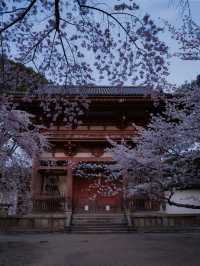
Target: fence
x: 47, y: 202
x: 140, y: 204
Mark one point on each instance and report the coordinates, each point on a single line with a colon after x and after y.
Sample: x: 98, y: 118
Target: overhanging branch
x: 113, y: 18
x: 20, y: 17
x: 57, y: 15
x: 183, y: 205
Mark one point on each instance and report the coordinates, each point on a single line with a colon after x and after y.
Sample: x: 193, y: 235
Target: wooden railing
x: 140, y: 204
x: 53, y: 163
x: 49, y: 202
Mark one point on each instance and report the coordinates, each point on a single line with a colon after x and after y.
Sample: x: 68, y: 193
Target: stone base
x: 61, y: 222
x: 35, y: 223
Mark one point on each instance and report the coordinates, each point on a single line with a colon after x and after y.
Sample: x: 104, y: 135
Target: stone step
x: 98, y: 213
x: 101, y: 232
x: 98, y: 216
x: 99, y: 219
x: 100, y: 226
x: 99, y: 223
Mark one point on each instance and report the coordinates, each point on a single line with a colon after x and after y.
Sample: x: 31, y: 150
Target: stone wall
x: 165, y: 220
x: 43, y: 223
x: 60, y: 223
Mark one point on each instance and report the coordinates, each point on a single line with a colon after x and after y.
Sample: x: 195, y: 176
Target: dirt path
x: 100, y: 250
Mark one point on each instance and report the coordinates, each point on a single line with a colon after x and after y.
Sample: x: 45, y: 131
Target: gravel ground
x: 178, y: 249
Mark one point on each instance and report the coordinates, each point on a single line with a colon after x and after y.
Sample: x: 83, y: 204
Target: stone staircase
x: 99, y: 223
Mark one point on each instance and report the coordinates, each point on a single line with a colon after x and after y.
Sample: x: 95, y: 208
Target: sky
x: 180, y: 70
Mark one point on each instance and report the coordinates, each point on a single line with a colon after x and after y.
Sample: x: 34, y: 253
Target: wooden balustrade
x: 140, y: 204
x: 53, y: 163
x: 49, y: 202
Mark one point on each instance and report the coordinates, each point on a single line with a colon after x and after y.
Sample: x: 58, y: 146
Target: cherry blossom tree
x: 188, y: 35
x: 70, y: 40
x: 167, y: 154
x: 188, y: 38
x: 19, y: 141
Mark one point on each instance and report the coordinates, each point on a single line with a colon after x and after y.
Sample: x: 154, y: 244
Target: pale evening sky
x: 180, y: 70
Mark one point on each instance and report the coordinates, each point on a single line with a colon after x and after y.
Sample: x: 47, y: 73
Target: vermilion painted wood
x: 85, y: 195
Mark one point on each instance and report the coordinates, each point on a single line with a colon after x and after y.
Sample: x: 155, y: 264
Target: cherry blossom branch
x: 113, y: 18
x: 128, y: 14
x: 12, y: 11
x: 63, y: 48
x: 185, y: 4
x: 183, y: 205
x: 2, y: 60
x: 52, y: 46
x: 34, y: 47
x: 57, y: 15
x: 20, y: 17
x: 174, y: 203
x: 68, y: 22
x: 71, y: 50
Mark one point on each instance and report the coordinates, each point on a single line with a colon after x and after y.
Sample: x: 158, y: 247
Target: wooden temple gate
x: 58, y: 190
x: 55, y: 187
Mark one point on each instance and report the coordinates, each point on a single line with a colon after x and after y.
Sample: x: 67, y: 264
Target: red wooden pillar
x: 69, y: 191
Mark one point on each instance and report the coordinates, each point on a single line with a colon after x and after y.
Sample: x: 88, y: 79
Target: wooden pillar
x: 69, y: 191
x: 35, y: 179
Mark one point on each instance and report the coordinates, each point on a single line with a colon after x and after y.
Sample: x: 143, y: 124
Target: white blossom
x: 167, y: 153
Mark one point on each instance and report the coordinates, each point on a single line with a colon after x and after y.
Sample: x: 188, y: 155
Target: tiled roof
x: 100, y: 90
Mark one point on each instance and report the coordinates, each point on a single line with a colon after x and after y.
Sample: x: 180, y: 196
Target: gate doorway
x: 94, y: 195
